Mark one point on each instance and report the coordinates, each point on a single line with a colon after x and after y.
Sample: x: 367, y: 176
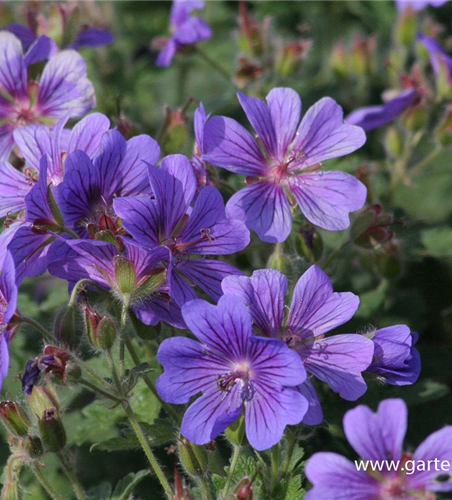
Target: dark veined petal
x: 13, y: 73
x: 14, y: 186
x: 323, y: 134
x: 264, y: 294
x: 229, y: 145
x: 333, y: 476
x: 377, y: 436
x: 314, y: 414
x: 327, y: 198
x: 87, y: 134
x: 263, y: 207
x: 316, y: 308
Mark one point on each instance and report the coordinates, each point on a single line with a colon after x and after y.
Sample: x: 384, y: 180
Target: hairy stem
x: 69, y: 471
x: 44, y: 483
x: 275, y: 463
x: 99, y: 391
x: 234, y: 460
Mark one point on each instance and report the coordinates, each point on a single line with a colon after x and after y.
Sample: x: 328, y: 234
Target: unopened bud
x: 309, y: 243
x: 151, y: 284
x: 65, y: 327
x: 14, y: 418
x: 290, y: 57
x: 245, y: 489
x: 42, y: 398
x: 192, y: 457
x: 73, y: 372
x: 415, y: 117
x: 443, y: 132
x: 125, y: 275
x: 10, y: 491
x: 236, y: 432
x: 339, y: 60
x: 101, y: 330
x: 278, y: 260
x: 34, y: 447
x: 393, y: 142
x: 444, y: 79
x: 406, y: 28
x: 52, y: 431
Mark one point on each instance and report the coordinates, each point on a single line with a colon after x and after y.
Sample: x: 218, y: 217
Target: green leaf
x: 438, y: 242
x: 125, y: 486
x: 294, y: 490
x: 101, y: 492
x: 122, y: 443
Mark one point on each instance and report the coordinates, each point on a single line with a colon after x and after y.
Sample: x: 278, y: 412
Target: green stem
x: 71, y: 476
x: 76, y: 288
x: 275, y: 460
x: 44, y: 483
x: 293, y: 442
x: 99, y: 391
x: 217, y: 67
x: 45, y: 333
x: 148, y: 381
x: 234, y: 460
x: 207, y: 493
x: 147, y: 449
x: 68, y: 230
x: 114, y: 371
x: 122, y: 334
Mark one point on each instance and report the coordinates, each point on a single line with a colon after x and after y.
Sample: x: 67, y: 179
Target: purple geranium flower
x: 396, y: 361
x: 63, y: 89
x: 379, y: 437
x: 438, y: 56
x: 90, y: 185
x: 286, y: 173
x: 8, y: 305
x: 418, y: 4
x: 33, y: 143
x: 236, y: 373
x: 338, y: 360
x: 185, y: 30
x: 168, y: 219
x: 125, y: 269
x: 371, y: 117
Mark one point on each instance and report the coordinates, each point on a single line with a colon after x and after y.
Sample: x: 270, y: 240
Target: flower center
x: 241, y: 375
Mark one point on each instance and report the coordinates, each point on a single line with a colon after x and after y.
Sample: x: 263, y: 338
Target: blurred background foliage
x: 413, y: 285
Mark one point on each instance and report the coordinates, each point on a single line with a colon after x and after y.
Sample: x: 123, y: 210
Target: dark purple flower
x: 438, y: 56
x: 63, y: 89
x: 418, y: 4
x: 287, y: 172
x: 90, y: 185
x: 129, y: 271
x: 379, y: 437
x: 8, y: 305
x: 338, y: 360
x: 396, y: 361
x: 236, y: 373
x: 35, y: 141
x: 185, y: 30
x: 167, y: 219
x: 371, y: 117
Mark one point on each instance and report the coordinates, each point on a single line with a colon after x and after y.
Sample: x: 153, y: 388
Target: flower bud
x: 101, y: 330
x: 388, y: 262
x: 151, y: 284
x: 125, y: 275
x: 362, y: 55
x: 278, y: 260
x: 65, y: 327
x: 42, y: 398
x: 443, y: 79
x: 10, y: 491
x: 52, y: 431
x: 236, y: 432
x: 73, y: 372
x: 192, y: 457
x: 415, y: 117
x: 175, y: 134
x: 14, y: 418
x: 443, y: 132
x: 406, y: 28
x: 372, y: 228
x: 338, y: 60
x: 309, y: 243
x: 393, y: 142
x: 290, y: 57
x: 244, y: 490
x: 33, y: 445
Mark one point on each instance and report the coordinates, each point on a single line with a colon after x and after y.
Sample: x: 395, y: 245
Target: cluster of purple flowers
x: 88, y: 204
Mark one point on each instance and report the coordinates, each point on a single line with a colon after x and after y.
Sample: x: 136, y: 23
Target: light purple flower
x: 379, y: 437
x: 63, y: 89
x: 438, y: 56
x: 8, y: 305
x: 287, y: 171
x: 190, y: 225
x: 110, y: 266
x: 185, y: 30
x: 199, y: 165
x: 418, y: 4
x: 371, y: 117
x: 35, y: 141
x: 236, y: 373
x: 396, y: 361
x: 338, y: 360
